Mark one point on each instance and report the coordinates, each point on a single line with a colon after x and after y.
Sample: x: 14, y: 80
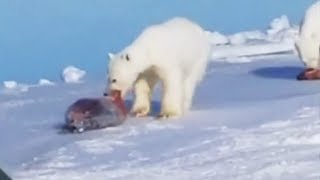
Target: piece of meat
x: 309, y: 74
x: 118, y: 101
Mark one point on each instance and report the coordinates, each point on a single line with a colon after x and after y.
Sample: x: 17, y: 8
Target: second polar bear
x: 175, y: 53
x: 308, y: 43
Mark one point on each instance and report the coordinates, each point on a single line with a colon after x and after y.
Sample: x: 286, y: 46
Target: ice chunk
x: 72, y: 74
x: 10, y: 84
x: 243, y: 37
x: 13, y: 86
x: 45, y: 82
x: 237, y: 39
x: 254, y: 35
x: 287, y: 35
x: 217, y: 38
x: 279, y: 24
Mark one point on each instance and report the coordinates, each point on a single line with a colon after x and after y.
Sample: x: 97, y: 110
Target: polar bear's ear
x: 111, y: 55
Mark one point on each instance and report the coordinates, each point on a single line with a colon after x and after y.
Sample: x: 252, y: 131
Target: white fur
x: 174, y: 53
x: 308, y: 43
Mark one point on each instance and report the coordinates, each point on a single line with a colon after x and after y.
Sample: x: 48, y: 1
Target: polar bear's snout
x: 122, y: 75
x: 119, y: 81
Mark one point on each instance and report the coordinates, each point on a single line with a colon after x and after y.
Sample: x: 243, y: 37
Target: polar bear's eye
x: 127, y: 57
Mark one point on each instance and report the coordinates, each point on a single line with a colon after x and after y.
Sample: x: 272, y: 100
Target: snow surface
x: 251, y: 120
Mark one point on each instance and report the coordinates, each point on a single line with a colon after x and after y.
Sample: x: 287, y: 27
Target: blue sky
x: 38, y: 38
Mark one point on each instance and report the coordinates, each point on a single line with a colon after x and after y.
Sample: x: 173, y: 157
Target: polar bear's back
x: 181, y: 23
x: 177, y: 42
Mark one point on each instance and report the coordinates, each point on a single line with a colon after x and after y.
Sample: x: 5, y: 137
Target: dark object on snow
x: 309, y: 74
x: 3, y: 175
x: 96, y: 113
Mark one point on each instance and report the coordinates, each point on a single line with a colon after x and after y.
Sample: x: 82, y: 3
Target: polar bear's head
x: 124, y: 69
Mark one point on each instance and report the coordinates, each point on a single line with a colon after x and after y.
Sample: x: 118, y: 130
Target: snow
x: 73, y: 74
x: 10, y: 84
x: 217, y: 38
x: 237, y: 39
x: 13, y: 86
x: 279, y: 38
x: 279, y: 24
x: 45, y: 82
x: 251, y: 120
x: 224, y: 53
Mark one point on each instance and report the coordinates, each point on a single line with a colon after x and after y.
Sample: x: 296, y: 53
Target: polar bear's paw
x: 169, y: 114
x: 141, y: 111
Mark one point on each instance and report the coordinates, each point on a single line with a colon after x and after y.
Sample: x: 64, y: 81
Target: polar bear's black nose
x: 113, y: 80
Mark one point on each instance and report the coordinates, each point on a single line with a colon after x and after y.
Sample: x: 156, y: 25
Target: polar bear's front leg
x: 171, y: 105
x: 143, y: 91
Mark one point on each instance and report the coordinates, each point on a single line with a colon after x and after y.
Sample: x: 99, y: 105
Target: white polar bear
x: 308, y: 42
x: 174, y: 53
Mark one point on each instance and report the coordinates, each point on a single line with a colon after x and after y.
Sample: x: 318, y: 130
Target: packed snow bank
x: 222, y: 52
x: 72, y: 74
x: 279, y: 38
x: 13, y: 87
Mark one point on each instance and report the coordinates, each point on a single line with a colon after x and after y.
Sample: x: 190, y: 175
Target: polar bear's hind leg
x: 190, y: 85
x: 189, y: 88
x: 171, y: 105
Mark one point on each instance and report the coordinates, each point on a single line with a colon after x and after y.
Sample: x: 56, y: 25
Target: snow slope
x: 251, y: 120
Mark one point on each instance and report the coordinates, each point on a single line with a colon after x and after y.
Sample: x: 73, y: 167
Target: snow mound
x: 45, y: 82
x: 72, y: 74
x: 237, y: 39
x: 232, y: 52
x: 279, y: 24
x: 11, y: 86
x: 281, y: 31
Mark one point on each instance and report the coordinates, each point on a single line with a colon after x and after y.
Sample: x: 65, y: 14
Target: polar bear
x: 174, y: 53
x: 308, y: 42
